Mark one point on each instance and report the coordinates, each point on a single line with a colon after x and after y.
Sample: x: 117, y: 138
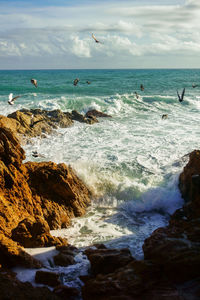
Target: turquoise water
x: 131, y: 161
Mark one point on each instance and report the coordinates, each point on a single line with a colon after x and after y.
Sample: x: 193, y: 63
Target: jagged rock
x: 83, y: 119
x: 35, y: 232
x: 11, y: 254
x: 13, y: 289
x: 34, y: 198
x: 48, y: 278
x: 96, y: 113
x: 36, y: 122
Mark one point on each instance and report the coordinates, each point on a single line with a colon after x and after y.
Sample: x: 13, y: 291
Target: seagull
x: 11, y: 99
x: 165, y: 116
x: 34, y: 81
x: 36, y: 154
x: 136, y: 94
x: 180, y: 98
x: 76, y: 81
x: 142, y: 87
x: 95, y: 38
x: 194, y: 85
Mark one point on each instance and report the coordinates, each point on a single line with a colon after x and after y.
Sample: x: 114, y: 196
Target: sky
x: 56, y: 34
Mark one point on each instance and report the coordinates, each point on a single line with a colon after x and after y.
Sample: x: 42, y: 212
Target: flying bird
x: 180, y: 98
x: 194, y: 85
x: 165, y: 116
x: 142, y: 87
x: 34, y: 81
x: 136, y: 94
x: 33, y: 123
x: 97, y: 41
x: 11, y: 99
x: 76, y: 81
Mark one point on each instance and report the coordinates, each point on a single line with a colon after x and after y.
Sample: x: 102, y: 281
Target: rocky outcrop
x: 170, y: 269
x: 34, y: 198
x: 38, y: 122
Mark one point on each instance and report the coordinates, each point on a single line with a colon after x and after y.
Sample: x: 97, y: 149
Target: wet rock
x: 35, y: 197
x: 12, y: 289
x: 11, y: 254
x: 48, y: 278
x: 104, y: 261
x: 36, y: 122
x: 63, y: 259
x: 35, y: 232
x: 66, y: 292
x: 83, y: 119
x: 97, y: 114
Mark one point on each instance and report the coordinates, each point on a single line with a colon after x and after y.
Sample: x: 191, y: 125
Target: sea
x: 131, y: 161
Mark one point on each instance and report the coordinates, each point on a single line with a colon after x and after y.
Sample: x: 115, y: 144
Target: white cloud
x: 80, y: 47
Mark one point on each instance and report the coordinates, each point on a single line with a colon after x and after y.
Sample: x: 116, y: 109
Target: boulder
x: 48, y: 278
x: 97, y: 114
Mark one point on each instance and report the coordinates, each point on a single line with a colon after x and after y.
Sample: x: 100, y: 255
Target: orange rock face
x: 34, y: 198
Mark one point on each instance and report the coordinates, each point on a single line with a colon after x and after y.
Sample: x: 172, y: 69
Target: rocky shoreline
x: 38, y: 197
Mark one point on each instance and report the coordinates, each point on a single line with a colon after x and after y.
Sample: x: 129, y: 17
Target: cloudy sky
x: 37, y: 34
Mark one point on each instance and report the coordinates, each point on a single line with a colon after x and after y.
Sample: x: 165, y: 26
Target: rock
x: 83, y: 119
x: 96, y: 113
x: 35, y: 232
x: 48, y: 278
x: 66, y: 292
x: 11, y: 254
x: 104, y: 261
x: 36, y: 122
x: 63, y: 259
x: 12, y: 289
x: 35, y: 197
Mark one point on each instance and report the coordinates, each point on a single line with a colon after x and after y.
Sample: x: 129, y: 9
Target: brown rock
x: 66, y: 292
x: 48, y: 278
x: 12, y: 289
x: 35, y: 232
x: 96, y: 113
x: 35, y: 197
x: 104, y: 261
x: 63, y: 259
x: 11, y: 254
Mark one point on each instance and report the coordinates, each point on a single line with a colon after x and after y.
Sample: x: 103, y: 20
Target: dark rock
x: 96, y: 113
x: 63, y: 259
x: 48, y: 278
x: 104, y: 261
x: 12, y: 289
x: 66, y: 292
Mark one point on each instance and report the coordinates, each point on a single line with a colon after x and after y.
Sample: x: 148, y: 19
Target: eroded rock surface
x: 34, y: 198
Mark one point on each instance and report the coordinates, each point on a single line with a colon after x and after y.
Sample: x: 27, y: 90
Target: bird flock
x: 76, y: 81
